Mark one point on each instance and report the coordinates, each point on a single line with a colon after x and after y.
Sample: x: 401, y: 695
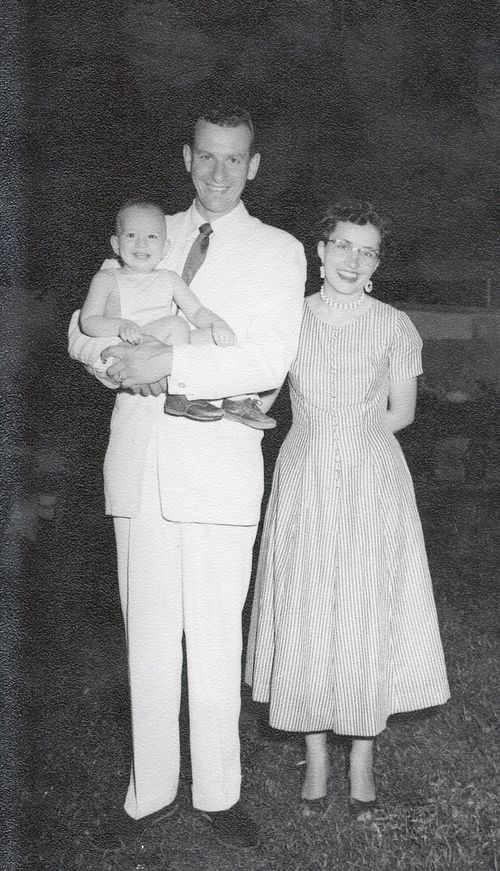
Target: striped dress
x: 344, y: 629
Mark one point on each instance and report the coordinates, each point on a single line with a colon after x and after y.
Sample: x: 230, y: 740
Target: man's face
x: 219, y: 164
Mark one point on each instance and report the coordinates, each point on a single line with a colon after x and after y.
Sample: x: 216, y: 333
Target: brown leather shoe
x: 247, y: 411
x: 194, y: 409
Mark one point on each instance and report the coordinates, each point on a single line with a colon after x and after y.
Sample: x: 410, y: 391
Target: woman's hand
x: 137, y: 365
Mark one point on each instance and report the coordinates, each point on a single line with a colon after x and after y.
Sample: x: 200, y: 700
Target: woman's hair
x: 354, y: 211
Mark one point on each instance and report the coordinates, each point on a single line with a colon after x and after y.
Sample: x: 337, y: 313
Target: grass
x: 437, y: 771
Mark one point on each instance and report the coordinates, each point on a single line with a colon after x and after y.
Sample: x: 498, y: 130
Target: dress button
x: 180, y: 384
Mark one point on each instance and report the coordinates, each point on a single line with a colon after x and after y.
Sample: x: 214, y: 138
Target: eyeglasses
x: 343, y: 248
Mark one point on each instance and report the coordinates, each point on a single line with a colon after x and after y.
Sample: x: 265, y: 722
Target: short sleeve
x: 405, y: 360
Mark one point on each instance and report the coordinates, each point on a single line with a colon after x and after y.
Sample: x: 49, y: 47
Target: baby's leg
x: 243, y: 409
x: 171, y: 330
x: 176, y: 331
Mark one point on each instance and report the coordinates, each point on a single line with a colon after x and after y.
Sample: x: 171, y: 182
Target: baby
x: 135, y: 300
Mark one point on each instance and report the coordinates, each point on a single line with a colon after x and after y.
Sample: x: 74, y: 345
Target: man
x: 186, y: 496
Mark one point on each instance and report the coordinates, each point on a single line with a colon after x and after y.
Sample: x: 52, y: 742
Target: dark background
x: 393, y: 101
x: 389, y: 100
x: 397, y: 102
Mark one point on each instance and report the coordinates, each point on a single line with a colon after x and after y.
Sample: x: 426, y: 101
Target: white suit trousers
x: 177, y: 578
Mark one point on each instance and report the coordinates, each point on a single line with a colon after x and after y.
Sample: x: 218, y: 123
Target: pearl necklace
x: 344, y: 306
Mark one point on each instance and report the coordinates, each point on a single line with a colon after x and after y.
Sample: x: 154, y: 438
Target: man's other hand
x: 138, y: 365
x: 155, y: 389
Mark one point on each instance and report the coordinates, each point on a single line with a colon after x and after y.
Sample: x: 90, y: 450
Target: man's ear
x: 115, y: 245
x: 253, y: 166
x: 188, y: 157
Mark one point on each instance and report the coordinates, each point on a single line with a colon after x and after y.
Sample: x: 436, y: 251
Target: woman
x: 344, y: 630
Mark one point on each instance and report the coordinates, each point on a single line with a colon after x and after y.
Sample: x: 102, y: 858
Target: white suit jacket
x: 253, y: 276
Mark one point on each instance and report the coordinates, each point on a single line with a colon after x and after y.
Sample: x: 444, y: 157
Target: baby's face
x: 141, y: 241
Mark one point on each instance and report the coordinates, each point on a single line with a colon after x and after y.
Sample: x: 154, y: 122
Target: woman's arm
x: 401, y: 404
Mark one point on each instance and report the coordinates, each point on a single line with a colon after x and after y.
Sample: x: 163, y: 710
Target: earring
x: 321, y: 271
x: 368, y: 286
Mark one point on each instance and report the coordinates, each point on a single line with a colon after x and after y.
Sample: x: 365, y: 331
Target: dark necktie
x: 197, y: 254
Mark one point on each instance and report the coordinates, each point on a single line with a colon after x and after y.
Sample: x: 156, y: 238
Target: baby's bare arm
x: 100, y: 314
x: 199, y: 316
x: 202, y: 337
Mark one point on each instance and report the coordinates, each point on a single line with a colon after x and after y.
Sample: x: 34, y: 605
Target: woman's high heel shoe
x: 312, y: 807
x: 357, y: 807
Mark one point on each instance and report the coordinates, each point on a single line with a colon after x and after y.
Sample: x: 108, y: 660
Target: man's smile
x: 217, y: 188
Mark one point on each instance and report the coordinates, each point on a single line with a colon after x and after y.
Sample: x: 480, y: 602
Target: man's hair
x: 355, y: 212
x: 139, y: 203
x: 225, y: 115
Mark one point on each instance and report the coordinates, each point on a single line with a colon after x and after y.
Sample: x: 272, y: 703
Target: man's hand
x: 136, y: 365
x: 154, y: 389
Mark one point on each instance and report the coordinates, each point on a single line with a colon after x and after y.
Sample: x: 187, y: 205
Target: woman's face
x: 350, y: 257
